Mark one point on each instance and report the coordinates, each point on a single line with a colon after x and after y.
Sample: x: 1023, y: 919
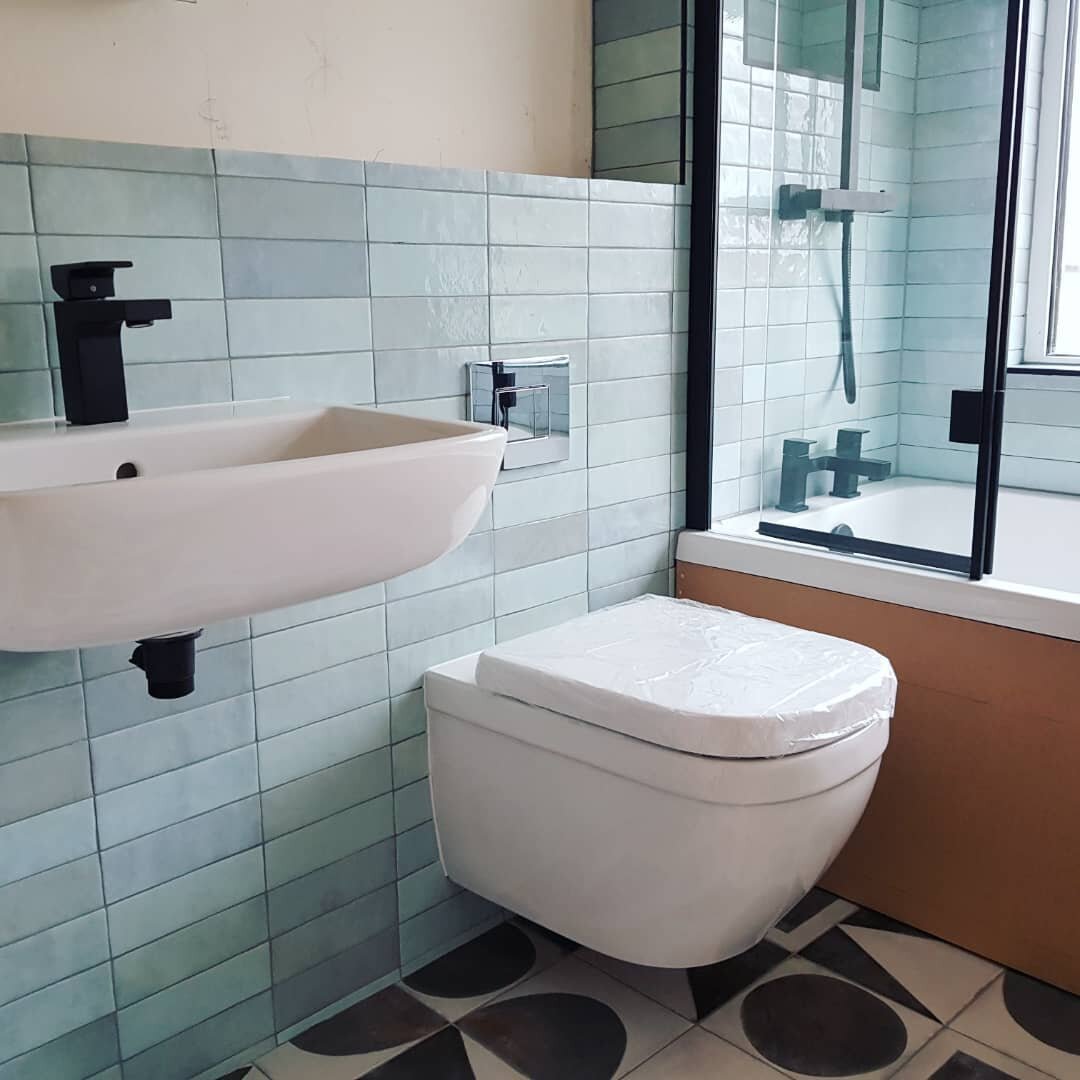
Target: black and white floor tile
x: 832, y: 991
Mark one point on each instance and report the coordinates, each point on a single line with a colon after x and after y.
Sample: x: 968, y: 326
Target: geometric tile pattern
x: 184, y: 884
x: 565, y: 1011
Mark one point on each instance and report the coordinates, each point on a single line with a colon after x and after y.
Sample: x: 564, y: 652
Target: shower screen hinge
x: 965, y: 416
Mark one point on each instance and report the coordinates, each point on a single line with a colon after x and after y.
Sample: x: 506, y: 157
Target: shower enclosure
x: 870, y: 223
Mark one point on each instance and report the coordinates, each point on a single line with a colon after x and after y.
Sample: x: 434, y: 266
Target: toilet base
x: 629, y: 868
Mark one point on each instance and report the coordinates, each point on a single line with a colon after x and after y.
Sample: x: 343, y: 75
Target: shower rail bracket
x: 797, y: 200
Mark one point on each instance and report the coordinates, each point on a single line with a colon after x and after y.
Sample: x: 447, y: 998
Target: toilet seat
x: 695, y: 678
x: 451, y: 689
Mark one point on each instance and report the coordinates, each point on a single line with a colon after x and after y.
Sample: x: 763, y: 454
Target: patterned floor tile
x: 911, y: 968
x: 694, y: 992
x: 483, y: 968
x: 815, y: 913
x: 447, y: 1055
x: 697, y: 1055
x: 1028, y: 1020
x: 805, y: 1021
x: 573, y: 1020
x: 356, y: 1040
x: 951, y: 1056
x: 247, y: 1072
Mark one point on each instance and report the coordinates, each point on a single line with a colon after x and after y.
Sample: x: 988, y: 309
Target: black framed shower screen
x: 701, y: 338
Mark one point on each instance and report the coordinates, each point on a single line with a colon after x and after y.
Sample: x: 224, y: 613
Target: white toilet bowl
x: 648, y: 851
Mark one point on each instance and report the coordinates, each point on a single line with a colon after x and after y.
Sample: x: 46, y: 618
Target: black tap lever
x: 88, y: 326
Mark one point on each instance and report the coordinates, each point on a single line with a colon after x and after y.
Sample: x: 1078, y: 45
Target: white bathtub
x: 1036, y: 581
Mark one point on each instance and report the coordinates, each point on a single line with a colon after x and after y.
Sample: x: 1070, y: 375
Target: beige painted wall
x: 500, y: 84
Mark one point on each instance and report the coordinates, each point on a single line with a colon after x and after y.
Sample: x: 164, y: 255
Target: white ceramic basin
x: 235, y: 509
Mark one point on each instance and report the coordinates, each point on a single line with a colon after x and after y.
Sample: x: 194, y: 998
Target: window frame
x: 1060, y: 70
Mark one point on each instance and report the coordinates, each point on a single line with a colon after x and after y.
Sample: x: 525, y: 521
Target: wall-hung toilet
x: 659, y: 781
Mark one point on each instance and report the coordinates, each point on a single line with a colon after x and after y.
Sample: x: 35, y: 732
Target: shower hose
x: 847, y: 346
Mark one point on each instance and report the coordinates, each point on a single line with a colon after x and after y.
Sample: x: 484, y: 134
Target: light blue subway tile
x: 531, y: 586
x: 273, y: 327
x: 109, y: 659
x: 294, y: 268
x: 651, y: 98
x: 12, y: 147
x: 627, y: 521
x: 538, y: 318
x: 407, y: 665
x: 957, y: 127
x: 540, y: 499
x: 407, y: 715
x: 961, y: 90
x: 441, y: 408
x: 542, y: 222
x: 25, y: 395
x: 658, y: 584
x: 301, y: 997
x: 410, y: 760
x: 976, y: 161
x: 291, y: 210
x: 120, y: 701
x: 614, y: 270
x: 428, y: 270
x: 320, y: 794
x: 657, y: 141
x: 19, y: 276
x: 93, y: 1046
x: 627, y: 561
x: 44, y: 782
x: 543, y: 541
x: 951, y: 20
x: 415, y: 374
x: 156, y: 912
x: 424, y: 889
x: 628, y: 480
x: 211, y: 1045
x: 140, y: 808
x: 336, y: 690
x: 171, y: 852
x: 629, y: 357
x: 15, y: 213
x: 577, y: 350
x: 22, y: 337
x: 180, y: 1007
x: 40, y: 722
x: 416, y: 848
x: 55, y: 1010
x: 327, y: 935
x: 629, y: 399
x: 404, y: 216
x: 298, y: 853
x: 53, y: 955
x: 472, y: 559
x: 422, y: 323
x: 49, y: 898
x: 628, y: 440
x: 412, y: 804
x: 540, y: 618
x: 314, y: 610
x: 439, y: 926
x: 194, y: 382
x: 627, y: 314
x: 314, y: 646
x: 185, y: 953
x: 344, y: 378
x: 962, y: 232
x: 331, y: 887
x: 388, y: 174
x: 621, y: 225
x: 47, y: 840
x: 551, y: 187
x: 928, y: 301
x: 519, y: 270
x: 106, y: 202
x: 327, y: 742
x: 45, y: 150
x: 418, y: 618
x: 326, y: 170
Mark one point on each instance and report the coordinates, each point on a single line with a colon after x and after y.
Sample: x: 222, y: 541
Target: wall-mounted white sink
x: 234, y: 509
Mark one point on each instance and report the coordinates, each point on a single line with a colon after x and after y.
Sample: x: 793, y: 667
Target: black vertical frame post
x: 1010, y: 150
x: 701, y: 336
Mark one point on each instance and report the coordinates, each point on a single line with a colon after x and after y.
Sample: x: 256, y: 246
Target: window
x: 1053, y: 315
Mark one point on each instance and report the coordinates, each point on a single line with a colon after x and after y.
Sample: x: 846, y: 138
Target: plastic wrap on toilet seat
x: 697, y: 678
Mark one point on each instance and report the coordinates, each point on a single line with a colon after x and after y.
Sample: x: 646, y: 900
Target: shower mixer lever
x: 797, y: 200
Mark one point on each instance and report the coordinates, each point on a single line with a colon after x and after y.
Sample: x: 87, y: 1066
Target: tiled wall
x: 638, y: 105
x: 181, y: 883
x: 778, y: 323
